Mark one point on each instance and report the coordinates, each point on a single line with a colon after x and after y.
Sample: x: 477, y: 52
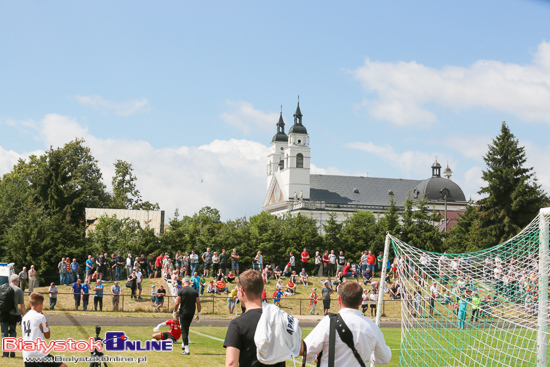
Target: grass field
x: 206, y: 349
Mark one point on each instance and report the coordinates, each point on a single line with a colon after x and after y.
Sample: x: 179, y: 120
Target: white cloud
x: 226, y: 174
x: 327, y: 171
x: 406, y: 90
x: 245, y: 117
x: 125, y: 108
x: 470, y: 146
x: 537, y: 157
x: 472, y: 183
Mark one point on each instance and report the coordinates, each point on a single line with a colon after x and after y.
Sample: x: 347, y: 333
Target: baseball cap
x: 314, y: 289
x: 153, y: 286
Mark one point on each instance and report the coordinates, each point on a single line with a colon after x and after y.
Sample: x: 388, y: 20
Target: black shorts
x: 373, y: 306
x: 159, y: 268
x: 44, y: 364
x: 326, y: 304
x: 168, y: 336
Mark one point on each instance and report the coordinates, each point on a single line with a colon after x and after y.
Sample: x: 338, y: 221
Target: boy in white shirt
x: 35, y: 327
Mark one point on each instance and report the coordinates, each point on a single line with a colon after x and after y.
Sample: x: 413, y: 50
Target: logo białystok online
x: 118, y: 341
x: 114, y: 341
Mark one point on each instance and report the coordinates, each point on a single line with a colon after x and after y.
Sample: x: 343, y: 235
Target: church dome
x: 297, y: 129
x: 433, y: 189
x: 280, y: 136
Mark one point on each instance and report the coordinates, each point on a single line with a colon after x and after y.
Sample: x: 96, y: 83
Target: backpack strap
x: 347, y: 337
x: 331, y: 339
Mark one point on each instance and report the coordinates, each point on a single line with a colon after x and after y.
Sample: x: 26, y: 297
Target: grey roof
x: 431, y: 189
x: 372, y: 190
x: 297, y: 129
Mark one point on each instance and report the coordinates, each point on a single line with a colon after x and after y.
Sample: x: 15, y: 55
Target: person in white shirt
x: 139, y: 279
x: 35, y: 327
x: 332, y: 259
x: 367, y: 337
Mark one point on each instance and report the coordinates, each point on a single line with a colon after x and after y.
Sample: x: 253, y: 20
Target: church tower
x: 295, y: 175
x: 279, y: 143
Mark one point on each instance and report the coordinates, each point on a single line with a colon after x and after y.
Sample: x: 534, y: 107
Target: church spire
x: 298, y: 114
x: 281, y: 124
x: 280, y: 135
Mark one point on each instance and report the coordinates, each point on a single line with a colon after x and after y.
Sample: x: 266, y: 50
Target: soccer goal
x: 485, y: 308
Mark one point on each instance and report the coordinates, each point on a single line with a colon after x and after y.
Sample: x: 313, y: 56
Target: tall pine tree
x: 513, y: 195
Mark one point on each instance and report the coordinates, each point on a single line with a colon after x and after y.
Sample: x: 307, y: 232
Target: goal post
x: 542, y: 334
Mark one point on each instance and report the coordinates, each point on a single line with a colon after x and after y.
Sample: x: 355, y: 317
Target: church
x: 291, y: 188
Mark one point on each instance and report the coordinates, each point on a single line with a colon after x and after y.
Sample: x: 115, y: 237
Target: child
x: 365, y: 301
x: 313, y: 300
x: 277, y: 298
x: 175, y: 330
x: 462, y: 311
x: 153, y: 295
x: 35, y: 327
x: 231, y: 300
x: 373, y: 301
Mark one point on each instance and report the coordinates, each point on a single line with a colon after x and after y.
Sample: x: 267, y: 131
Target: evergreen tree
x: 513, y: 195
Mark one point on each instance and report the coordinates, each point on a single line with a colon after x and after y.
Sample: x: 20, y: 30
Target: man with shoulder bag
x: 11, y: 297
x: 347, y: 338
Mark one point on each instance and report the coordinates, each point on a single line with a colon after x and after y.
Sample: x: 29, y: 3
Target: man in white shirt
x: 367, y: 337
x: 332, y: 259
x: 35, y: 327
x: 139, y: 279
x: 129, y: 265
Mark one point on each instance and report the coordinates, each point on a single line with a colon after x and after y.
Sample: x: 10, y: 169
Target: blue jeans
x: 8, y: 330
x: 193, y: 269
x: 53, y: 301
x: 61, y: 278
x: 118, y: 269
x: 68, y: 278
x: 371, y: 267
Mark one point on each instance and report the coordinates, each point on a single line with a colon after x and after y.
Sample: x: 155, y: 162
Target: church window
x: 299, y: 160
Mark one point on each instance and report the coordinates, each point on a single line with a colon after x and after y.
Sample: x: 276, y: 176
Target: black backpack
x: 7, y: 299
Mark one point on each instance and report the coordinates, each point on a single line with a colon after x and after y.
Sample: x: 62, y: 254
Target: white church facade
x: 291, y: 188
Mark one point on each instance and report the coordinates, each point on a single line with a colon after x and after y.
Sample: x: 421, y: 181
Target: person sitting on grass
x: 304, y: 278
x: 277, y: 298
x: 277, y: 273
x: 195, y: 281
x: 394, y: 291
x: 212, y: 288
x: 294, y: 277
x: 287, y: 270
x: 347, y: 273
x: 153, y: 295
x: 290, y: 288
x: 160, y: 297
x: 230, y: 277
x: 447, y: 298
x: 202, y: 282
x: 269, y: 271
x: 175, y: 329
x: 221, y: 287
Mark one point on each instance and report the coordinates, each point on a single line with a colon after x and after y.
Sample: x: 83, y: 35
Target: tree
x: 125, y: 193
x: 513, y: 195
x: 466, y: 236
x: 333, y: 232
x: 360, y: 233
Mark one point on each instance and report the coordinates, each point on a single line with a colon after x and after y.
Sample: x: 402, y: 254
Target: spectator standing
x: 371, y: 260
x: 23, y: 279
x: 115, y: 292
x: 150, y: 266
x: 85, y: 294
x: 33, y: 279
x: 119, y: 265
x: 9, y: 321
x: 258, y: 261
x: 160, y: 297
x: 52, y: 291
x: 185, y: 264
x: 188, y: 298
x: 143, y: 265
x: 291, y: 261
x: 235, y: 261
x: 62, y: 266
x: 224, y: 261
x: 139, y: 280
x: 158, y: 265
x: 75, y: 268
x: 153, y: 295
x: 215, y: 264
x: 368, y: 340
x: 77, y: 293
x: 305, y: 259
x: 325, y: 293
x: 112, y: 266
x: 332, y: 258
x: 379, y: 260
x: 363, y: 261
x: 326, y: 264
x: 341, y: 262
x: 132, y: 279
x: 313, y: 297
x: 318, y: 264
x: 99, y: 269
x: 129, y: 265
x: 89, y: 267
x: 194, y: 261
x: 98, y: 297
x: 207, y: 259
x: 178, y: 260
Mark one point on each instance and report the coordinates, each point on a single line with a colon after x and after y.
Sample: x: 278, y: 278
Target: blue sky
x: 190, y: 92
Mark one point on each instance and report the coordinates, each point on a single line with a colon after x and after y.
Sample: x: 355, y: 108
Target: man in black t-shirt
x: 187, y: 298
x: 239, y: 340
x: 150, y: 266
x: 112, y: 266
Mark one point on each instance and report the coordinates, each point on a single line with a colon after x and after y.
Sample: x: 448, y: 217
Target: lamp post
x: 445, y: 192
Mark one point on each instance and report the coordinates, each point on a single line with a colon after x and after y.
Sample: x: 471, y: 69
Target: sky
x: 190, y: 92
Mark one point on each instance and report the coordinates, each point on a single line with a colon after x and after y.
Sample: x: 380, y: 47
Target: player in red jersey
x: 173, y: 334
